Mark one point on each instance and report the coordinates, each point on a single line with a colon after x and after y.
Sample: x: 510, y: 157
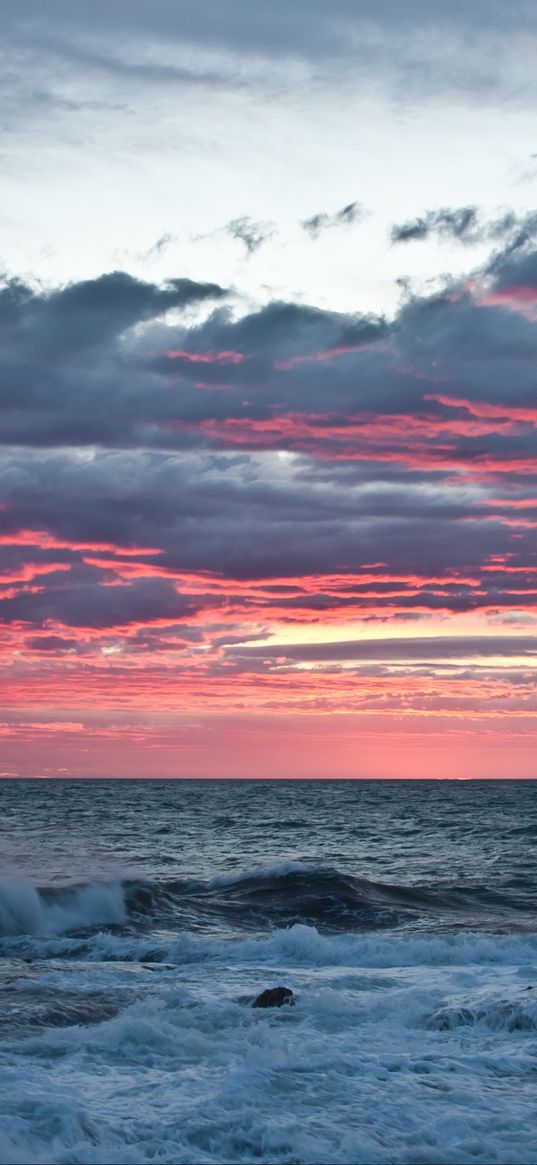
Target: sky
x: 268, y: 337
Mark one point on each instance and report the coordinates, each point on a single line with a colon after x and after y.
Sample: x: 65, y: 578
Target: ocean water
x: 140, y: 919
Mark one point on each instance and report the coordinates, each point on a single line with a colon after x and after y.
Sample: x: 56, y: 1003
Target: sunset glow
x: 268, y: 484
x: 363, y: 605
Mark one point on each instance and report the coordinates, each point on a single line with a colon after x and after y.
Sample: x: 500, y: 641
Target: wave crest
x: 26, y: 909
x: 274, y: 897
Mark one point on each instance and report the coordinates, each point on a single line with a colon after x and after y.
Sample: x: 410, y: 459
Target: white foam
x: 296, y: 946
x: 417, y: 1048
x: 21, y: 909
x: 26, y: 911
x: 275, y: 870
x: 91, y: 905
x: 353, y: 1074
x: 303, y: 946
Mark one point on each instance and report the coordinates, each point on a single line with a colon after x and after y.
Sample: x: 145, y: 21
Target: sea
x: 140, y: 920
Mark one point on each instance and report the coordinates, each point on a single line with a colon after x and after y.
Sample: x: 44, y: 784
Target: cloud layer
x: 282, y: 510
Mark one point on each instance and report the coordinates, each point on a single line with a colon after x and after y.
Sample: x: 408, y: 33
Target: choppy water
x: 139, y: 920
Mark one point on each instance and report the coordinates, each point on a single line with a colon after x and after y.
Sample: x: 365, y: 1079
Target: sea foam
x: 27, y: 910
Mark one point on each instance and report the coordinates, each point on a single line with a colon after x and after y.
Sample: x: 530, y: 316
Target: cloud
x: 181, y: 482
x: 283, y: 377
x: 103, y: 363
x: 304, y: 27
x: 345, y: 217
x: 251, y: 234
x: 428, y: 647
x: 468, y: 52
x: 467, y: 225
x: 160, y: 245
x: 94, y: 311
x: 459, y: 224
x: 85, y: 605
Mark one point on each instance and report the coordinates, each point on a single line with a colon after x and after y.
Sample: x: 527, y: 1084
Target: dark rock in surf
x: 274, y: 997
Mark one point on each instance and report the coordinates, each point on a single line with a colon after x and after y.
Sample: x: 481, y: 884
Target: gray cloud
x: 94, y: 310
x: 247, y: 518
x: 307, y: 27
x: 429, y: 647
x: 153, y: 384
x: 143, y: 601
x: 321, y: 222
x: 251, y: 234
x: 466, y: 225
x: 424, y: 46
x: 150, y: 431
x: 160, y: 245
x: 159, y: 385
x: 460, y: 224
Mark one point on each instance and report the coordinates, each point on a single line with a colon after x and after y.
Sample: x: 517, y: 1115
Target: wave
x: 27, y: 909
x: 29, y: 1013
x: 279, y: 896
x: 497, y: 1015
x: 187, y: 1071
x: 326, y: 898
x: 299, y: 950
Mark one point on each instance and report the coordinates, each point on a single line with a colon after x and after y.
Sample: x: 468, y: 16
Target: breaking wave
x: 276, y: 897
x: 26, y: 909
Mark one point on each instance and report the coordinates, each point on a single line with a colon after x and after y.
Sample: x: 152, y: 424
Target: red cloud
x: 226, y: 357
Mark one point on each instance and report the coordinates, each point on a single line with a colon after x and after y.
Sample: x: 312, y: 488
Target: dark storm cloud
x: 515, y: 263
x: 93, y: 311
x: 245, y: 518
x: 318, y: 223
x: 283, y: 329
x: 414, y: 444
x: 50, y: 643
x: 251, y: 234
x: 127, y: 393
x: 225, y: 381
x: 143, y: 601
x: 240, y: 513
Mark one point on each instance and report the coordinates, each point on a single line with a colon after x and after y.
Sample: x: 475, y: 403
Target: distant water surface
x: 139, y: 920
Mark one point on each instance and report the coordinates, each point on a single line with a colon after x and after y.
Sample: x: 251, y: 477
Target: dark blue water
x: 139, y: 920
x: 425, y: 853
